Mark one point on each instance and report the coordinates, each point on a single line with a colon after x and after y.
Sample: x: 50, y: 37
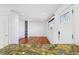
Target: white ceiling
x: 34, y: 12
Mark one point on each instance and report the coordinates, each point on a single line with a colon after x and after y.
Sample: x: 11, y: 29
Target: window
x: 65, y: 18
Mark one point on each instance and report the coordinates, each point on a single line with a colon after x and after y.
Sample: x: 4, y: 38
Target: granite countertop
x: 44, y: 49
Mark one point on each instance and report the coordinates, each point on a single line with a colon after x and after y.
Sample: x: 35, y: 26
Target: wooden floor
x: 34, y: 40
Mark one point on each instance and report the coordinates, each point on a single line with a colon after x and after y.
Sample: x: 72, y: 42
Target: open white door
x: 3, y: 31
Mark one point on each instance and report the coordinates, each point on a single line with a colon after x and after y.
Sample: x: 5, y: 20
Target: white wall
x: 21, y: 28
x: 36, y: 28
x: 76, y: 23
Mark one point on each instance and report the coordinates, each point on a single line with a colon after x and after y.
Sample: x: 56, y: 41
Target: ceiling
x: 34, y: 12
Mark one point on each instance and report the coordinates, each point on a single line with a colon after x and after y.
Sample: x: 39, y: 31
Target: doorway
x: 66, y: 27
x: 26, y: 28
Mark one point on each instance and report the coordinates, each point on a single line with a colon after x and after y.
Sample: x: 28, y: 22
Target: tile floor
x: 40, y: 49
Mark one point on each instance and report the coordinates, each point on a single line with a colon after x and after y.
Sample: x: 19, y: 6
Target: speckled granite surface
x: 45, y: 49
